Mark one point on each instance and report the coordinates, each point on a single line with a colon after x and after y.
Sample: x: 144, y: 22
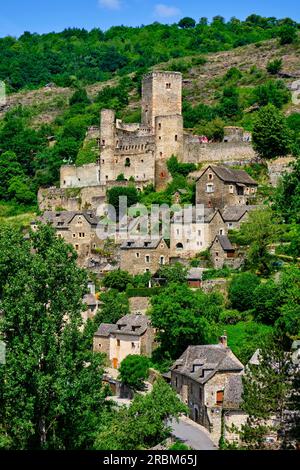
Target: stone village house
x: 132, y: 334
x: 192, y: 233
x: 77, y: 228
x: 223, y: 253
x: 221, y: 186
x: 208, y: 379
x: 144, y: 255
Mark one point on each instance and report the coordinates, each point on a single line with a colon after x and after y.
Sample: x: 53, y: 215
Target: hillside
x: 202, y: 83
x: 46, y: 127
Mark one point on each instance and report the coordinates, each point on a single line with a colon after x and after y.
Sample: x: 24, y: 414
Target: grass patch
x: 245, y: 338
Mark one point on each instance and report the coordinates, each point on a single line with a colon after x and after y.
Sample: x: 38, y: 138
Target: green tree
x: 289, y: 321
x: 259, y: 230
x: 229, y: 102
x: 183, y: 317
x: 118, y: 280
x: 271, y: 92
x: 186, y: 23
x: 9, y: 168
x: 50, y: 386
x: 176, y: 272
x: 20, y: 190
x: 271, y: 136
x: 114, y: 305
x: 134, y: 370
x: 177, y: 168
x: 79, y: 97
x: 116, y: 192
x: 287, y: 34
x: 287, y: 195
x: 266, y: 302
x: 144, y: 424
x: 241, y: 289
x: 266, y: 392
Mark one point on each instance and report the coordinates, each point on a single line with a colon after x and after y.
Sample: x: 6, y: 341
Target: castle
x: 140, y: 151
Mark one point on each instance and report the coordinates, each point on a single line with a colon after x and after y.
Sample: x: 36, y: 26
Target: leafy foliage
x: 184, y: 317
x: 50, y: 386
x: 134, y: 370
x: 271, y: 136
x: 266, y: 392
x: 143, y: 424
x: 114, y: 305
x: 118, y: 280
x: 241, y: 291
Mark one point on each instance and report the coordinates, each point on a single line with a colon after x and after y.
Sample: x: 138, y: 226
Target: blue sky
x: 44, y: 16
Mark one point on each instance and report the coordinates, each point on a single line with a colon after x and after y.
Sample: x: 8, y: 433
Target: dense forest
x: 33, y: 60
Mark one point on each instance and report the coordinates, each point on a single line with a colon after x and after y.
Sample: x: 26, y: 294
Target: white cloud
x: 165, y: 11
x: 110, y: 4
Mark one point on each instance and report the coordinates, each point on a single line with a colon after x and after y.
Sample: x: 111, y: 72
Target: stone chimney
x: 223, y: 340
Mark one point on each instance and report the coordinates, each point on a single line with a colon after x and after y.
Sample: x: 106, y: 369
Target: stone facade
x: 141, y: 150
x: 224, y: 254
x: 132, y: 334
x: 218, y: 152
x: 221, y: 186
x: 76, y: 228
x: 140, y: 256
x: 188, y: 237
x: 208, y: 380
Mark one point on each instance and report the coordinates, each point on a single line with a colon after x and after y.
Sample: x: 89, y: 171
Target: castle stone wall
x: 218, y: 152
x: 72, y: 176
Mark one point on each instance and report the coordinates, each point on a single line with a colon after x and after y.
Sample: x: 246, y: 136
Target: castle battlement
x: 141, y: 150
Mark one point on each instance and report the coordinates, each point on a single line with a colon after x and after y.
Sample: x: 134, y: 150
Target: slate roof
x: 142, y: 243
x: 230, y: 175
x: 201, y: 215
x: 233, y: 392
x: 135, y: 324
x: 90, y: 299
x: 200, y: 363
x: 63, y: 219
x: 131, y: 324
x: 225, y: 243
x: 105, y: 329
x: 235, y: 213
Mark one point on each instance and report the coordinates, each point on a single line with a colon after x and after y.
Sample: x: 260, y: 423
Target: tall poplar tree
x: 51, y: 395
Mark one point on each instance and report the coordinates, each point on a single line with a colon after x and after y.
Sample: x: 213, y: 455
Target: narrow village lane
x: 192, y: 434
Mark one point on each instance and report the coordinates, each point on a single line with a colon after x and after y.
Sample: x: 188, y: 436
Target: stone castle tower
x: 139, y: 151
x: 162, y: 111
x: 142, y: 150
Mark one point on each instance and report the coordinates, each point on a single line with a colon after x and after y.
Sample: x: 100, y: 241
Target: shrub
x: 274, y: 66
x: 134, y: 370
x: 287, y: 35
x: 117, y: 280
x: 241, y: 289
x: 231, y: 317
